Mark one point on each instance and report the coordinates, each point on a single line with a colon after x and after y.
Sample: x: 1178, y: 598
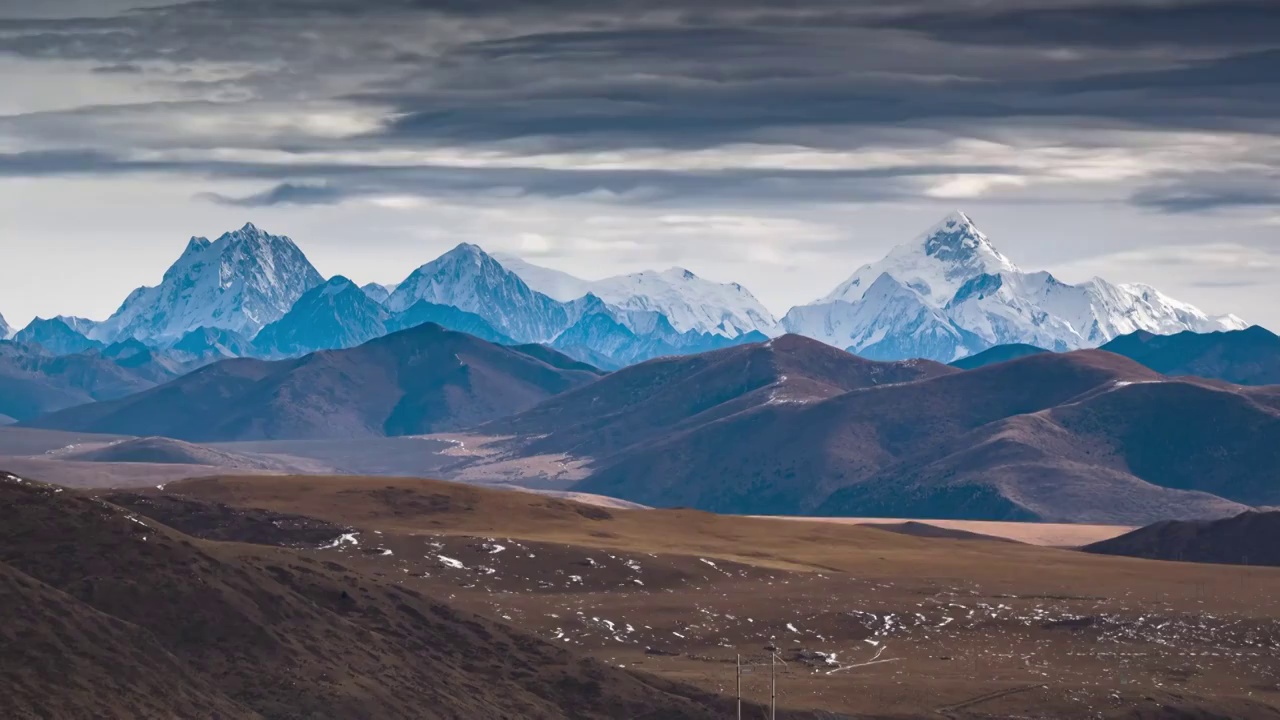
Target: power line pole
x: 739, y: 686
x: 773, y: 682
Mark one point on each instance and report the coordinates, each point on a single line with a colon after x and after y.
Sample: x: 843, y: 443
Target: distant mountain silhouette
x: 1245, y: 357
x: 34, y: 382
x: 997, y: 354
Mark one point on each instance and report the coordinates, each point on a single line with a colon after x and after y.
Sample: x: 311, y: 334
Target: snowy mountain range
x: 947, y: 294
x: 951, y: 293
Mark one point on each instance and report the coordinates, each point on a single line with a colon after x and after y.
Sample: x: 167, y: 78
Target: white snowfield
x: 950, y: 293
x: 690, y: 303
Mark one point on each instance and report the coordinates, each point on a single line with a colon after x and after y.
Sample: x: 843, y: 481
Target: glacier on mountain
x: 690, y: 303
x: 553, y: 283
x: 241, y: 282
x: 951, y: 293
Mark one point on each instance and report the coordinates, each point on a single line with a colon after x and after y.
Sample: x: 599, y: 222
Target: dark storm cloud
x: 1210, y: 192
x: 1194, y: 79
x: 1204, y: 22
x: 283, y: 194
x: 327, y: 184
x: 667, y: 74
x: 119, y: 69
x: 618, y: 75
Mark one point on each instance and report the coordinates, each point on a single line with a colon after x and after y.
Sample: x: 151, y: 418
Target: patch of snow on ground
x: 344, y: 539
x: 450, y: 562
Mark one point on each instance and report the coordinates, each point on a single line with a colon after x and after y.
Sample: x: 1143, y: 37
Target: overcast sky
x: 780, y: 145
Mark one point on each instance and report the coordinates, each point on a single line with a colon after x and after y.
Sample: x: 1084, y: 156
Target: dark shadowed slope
x: 332, y: 316
x: 116, y: 615
x: 420, y: 380
x: 1015, y: 441
x: 423, y: 312
x: 997, y: 354
x: 1251, y: 538
x: 925, y: 530
x: 555, y: 358
x: 1134, y: 452
x: 148, y: 363
x: 1245, y: 357
x: 33, y: 382
x: 789, y: 457
x: 64, y: 659
x: 671, y: 395
x: 205, y: 345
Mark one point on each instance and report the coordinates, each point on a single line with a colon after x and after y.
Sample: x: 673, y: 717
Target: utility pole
x: 773, y: 684
x: 739, y: 686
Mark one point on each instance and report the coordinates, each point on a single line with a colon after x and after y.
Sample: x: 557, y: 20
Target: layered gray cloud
x: 1128, y: 110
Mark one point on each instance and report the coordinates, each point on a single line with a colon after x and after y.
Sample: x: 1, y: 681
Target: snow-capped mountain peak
x: 337, y: 314
x: 197, y: 245
x: 6, y: 331
x: 936, y: 264
x: 336, y: 285
x: 242, y: 281
x: 377, y: 292
x: 958, y: 241
x: 962, y: 280
x: 470, y: 279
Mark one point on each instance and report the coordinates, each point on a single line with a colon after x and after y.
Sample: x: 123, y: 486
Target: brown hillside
x: 788, y: 458
x: 251, y: 631
x: 670, y: 395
